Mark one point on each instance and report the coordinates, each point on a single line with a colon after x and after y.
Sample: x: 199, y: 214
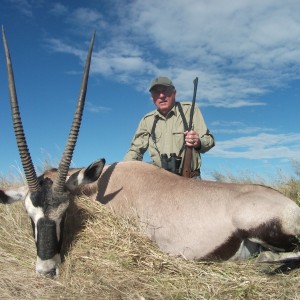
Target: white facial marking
x: 43, y: 267
x: 17, y: 194
x: 80, y: 178
x: 35, y: 213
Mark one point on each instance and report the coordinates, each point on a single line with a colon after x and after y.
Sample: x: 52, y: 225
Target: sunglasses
x: 166, y: 90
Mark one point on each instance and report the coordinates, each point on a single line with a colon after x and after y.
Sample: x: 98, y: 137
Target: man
x: 164, y: 130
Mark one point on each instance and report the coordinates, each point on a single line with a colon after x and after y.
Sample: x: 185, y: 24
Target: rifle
x: 187, y: 160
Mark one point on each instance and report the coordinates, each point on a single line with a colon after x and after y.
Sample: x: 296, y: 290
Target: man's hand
x: 192, y: 139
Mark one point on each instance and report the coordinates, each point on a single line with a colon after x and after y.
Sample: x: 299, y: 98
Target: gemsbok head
x: 46, y: 201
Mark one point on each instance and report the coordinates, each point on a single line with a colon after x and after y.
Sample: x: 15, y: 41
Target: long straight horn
x: 28, y: 167
x: 68, y: 152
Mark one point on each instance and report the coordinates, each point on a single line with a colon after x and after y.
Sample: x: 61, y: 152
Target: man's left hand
x: 192, y: 139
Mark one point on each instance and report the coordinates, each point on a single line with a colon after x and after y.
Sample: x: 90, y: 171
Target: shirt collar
x: 173, y: 111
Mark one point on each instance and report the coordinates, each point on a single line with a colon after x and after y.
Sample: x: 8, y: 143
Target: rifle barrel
x: 193, y: 103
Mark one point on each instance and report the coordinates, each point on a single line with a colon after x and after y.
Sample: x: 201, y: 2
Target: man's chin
x: 164, y: 106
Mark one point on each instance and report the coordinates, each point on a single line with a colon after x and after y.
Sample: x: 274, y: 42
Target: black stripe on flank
x: 269, y: 233
x: 226, y: 250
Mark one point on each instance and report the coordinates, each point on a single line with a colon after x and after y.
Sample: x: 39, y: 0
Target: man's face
x: 164, y: 98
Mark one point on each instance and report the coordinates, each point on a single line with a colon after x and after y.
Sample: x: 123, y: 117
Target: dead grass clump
x: 290, y: 186
x: 245, y: 177
x: 291, y: 189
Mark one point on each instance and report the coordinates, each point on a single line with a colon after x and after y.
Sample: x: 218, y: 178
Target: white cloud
x: 24, y: 6
x: 234, y: 127
x: 83, y: 20
x: 124, y: 62
x: 244, y: 46
x: 239, y: 50
x: 95, y: 108
x: 59, y: 46
x: 58, y: 9
x: 261, y: 146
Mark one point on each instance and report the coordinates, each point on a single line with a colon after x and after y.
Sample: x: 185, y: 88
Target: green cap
x: 161, y: 80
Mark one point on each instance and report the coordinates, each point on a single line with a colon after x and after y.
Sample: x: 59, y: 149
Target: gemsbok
x: 196, y: 219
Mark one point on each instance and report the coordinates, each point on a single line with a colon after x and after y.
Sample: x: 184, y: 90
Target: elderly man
x: 164, y: 131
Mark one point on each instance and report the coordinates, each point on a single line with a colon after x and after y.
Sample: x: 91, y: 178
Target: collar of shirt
x: 173, y: 111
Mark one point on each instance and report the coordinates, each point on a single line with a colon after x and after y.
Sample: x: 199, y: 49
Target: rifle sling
x: 153, y: 135
x: 185, y: 126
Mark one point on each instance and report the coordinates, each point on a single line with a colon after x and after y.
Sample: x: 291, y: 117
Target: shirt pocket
x: 178, y: 138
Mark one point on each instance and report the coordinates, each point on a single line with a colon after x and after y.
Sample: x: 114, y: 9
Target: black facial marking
x: 47, y: 243
x: 43, y: 196
x: 51, y: 273
x: 3, y: 197
x: 46, y: 199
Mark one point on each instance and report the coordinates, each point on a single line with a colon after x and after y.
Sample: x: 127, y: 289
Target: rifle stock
x: 187, y: 161
x: 188, y: 155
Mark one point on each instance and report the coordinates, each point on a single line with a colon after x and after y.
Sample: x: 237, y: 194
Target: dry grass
x: 108, y: 258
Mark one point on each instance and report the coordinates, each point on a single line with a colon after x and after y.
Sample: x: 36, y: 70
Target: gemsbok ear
x: 94, y: 170
x: 86, y: 175
x: 10, y: 196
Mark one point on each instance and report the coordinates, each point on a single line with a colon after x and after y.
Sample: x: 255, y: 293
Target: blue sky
x: 246, y: 54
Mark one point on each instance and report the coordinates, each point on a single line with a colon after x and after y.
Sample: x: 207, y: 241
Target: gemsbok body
x: 196, y: 219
